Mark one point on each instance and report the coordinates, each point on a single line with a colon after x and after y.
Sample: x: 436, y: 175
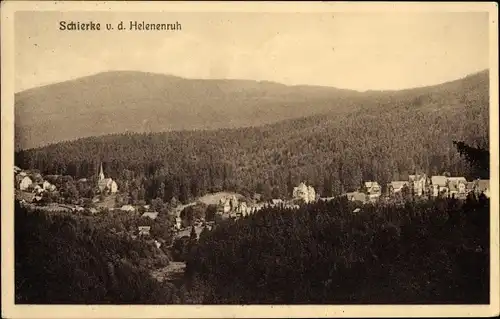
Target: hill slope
x: 125, y: 101
x: 386, y: 138
x: 116, y: 102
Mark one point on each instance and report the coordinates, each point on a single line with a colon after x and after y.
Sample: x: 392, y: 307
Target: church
x: 106, y: 185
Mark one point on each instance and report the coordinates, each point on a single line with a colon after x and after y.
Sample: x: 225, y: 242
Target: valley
x: 212, y: 214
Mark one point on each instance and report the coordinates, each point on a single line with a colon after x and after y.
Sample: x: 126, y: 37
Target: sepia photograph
x: 221, y: 154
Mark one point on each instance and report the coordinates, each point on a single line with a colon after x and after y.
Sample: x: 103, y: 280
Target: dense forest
x: 72, y: 259
x: 434, y: 252
x: 384, y: 138
x: 335, y: 252
x: 323, y: 253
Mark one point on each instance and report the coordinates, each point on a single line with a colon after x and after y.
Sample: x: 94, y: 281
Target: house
x: 152, y: 215
x: 327, y: 199
x: 457, y: 186
x: 304, y: 193
x: 483, y: 186
x: 233, y: 203
x: 23, y: 182
x: 127, y: 208
x: 224, y: 205
x: 373, y: 190
x: 453, y: 190
x: 417, y: 184
x: 276, y: 202
x: 37, y: 189
x: 439, y: 185
x: 48, y: 186
x: 106, y: 184
x: 396, y: 187
x: 144, y: 230
x: 357, y: 210
x: 242, y: 209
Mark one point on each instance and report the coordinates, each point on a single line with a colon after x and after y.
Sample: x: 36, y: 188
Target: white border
x: 9, y: 310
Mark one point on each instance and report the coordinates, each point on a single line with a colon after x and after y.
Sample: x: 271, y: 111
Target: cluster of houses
x: 421, y: 185
x: 31, y: 184
x: 232, y: 207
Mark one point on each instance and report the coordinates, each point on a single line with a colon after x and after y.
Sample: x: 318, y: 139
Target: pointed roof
x: 101, y: 171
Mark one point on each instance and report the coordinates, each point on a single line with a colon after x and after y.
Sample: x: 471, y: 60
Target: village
x: 32, y: 188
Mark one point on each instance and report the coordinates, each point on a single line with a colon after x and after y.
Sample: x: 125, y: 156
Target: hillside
x: 385, y: 139
x: 434, y: 252
x: 125, y: 101
x: 65, y: 258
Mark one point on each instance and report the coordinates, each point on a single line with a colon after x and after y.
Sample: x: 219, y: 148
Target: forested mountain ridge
x: 384, y: 139
x: 126, y: 101
x: 120, y: 101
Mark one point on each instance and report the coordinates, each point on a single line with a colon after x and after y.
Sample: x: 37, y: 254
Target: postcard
x: 249, y: 159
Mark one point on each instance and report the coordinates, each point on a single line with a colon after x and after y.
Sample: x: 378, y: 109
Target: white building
x: 418, y: 183
x: 242, y: 208
x: 304, y: 193
x: 457, y: 186
x: 24, y: 182
x: 106, y: 184
x: 439, y: 185
x: 48, y: 186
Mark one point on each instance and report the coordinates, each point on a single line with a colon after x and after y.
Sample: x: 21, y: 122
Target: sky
x: 361, y: 51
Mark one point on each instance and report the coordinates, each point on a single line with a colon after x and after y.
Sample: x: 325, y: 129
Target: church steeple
x: 101, y: 173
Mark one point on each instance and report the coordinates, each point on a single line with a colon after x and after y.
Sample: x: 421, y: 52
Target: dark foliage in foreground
x: 62, y: 259
x: 425, y: 252
x: 428, y: 252
x: 478, y: 157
